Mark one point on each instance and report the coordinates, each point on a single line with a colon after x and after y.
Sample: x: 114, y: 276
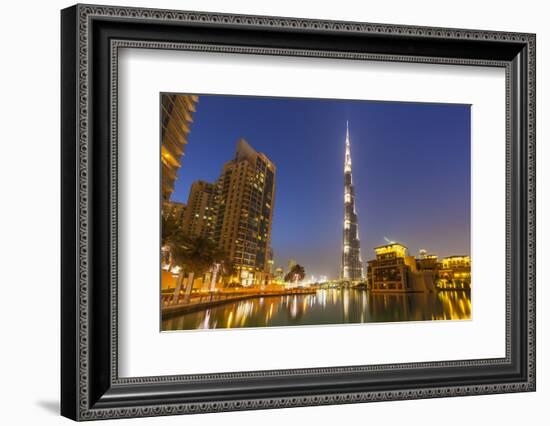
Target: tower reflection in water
x: 334, y: 306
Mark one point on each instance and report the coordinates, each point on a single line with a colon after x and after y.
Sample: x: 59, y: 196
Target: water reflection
x: 335, y: 306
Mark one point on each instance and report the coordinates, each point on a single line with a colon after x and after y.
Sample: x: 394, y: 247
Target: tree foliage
x: 192, y: 254
x: 297, y: 273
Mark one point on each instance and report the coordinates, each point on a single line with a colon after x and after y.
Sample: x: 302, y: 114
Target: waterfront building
x: 279, y: 274
x: 271, y: 261
x: 196, y: 220
x: 245, y: 199
x: 394, y: 270
x: 351, y: 264
x: 199, y: 217
x: 176, y: 118
x: 461, y: 261
x: 455, y: 273
x: 428, y: 262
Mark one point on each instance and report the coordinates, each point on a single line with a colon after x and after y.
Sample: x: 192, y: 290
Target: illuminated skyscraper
x: 246, y: 195
x: 352, y: 265
x: 198, y: 220
x: 176, y: 119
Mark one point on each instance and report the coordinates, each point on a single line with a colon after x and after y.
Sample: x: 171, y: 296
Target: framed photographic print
x: 263, y: 212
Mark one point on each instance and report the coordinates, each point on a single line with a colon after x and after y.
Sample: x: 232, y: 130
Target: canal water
x: 331, y: 306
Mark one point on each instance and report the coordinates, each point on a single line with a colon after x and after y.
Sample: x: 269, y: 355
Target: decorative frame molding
x: 91, y: 37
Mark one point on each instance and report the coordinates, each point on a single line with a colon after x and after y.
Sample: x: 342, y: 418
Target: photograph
x: 295, y: 211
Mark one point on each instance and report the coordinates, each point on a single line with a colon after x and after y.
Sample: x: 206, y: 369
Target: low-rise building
x: 278, y: 275
x: 428, y: 262
x: 455, y: 273
x: 394, y: 270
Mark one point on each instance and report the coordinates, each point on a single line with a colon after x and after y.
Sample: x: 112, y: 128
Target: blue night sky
x: 410, y: 164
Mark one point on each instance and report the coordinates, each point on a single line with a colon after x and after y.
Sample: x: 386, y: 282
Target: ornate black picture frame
x: 91, y: 387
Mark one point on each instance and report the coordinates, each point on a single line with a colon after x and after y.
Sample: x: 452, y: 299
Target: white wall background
x: 29, y: 212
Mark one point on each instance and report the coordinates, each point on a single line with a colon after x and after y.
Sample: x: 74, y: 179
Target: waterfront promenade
x: 201, y: 300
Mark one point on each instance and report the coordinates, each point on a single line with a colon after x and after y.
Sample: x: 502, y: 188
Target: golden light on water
x: 329, y: 306
x: 454, y: 306
x: 230, y: 319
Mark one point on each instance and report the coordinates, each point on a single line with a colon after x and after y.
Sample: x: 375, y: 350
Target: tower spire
x: 352, y: 265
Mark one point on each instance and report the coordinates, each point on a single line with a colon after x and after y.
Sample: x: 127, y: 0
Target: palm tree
x: 201, y: 253
x: 174, y: 241
x: 193, y: 255
x: 227, y: 269
x: 200, y: 256
x: 297, y: 273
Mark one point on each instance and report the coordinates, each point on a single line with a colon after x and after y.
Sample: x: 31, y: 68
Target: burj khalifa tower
x: 352, y: 265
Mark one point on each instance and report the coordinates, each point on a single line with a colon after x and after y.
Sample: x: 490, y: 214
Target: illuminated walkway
x: 205, y: 300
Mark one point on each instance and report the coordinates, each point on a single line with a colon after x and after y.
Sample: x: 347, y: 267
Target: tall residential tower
x: 246, y: 194
x: 352, y: 265
x: 177, y: 116
x: 199, y: 217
